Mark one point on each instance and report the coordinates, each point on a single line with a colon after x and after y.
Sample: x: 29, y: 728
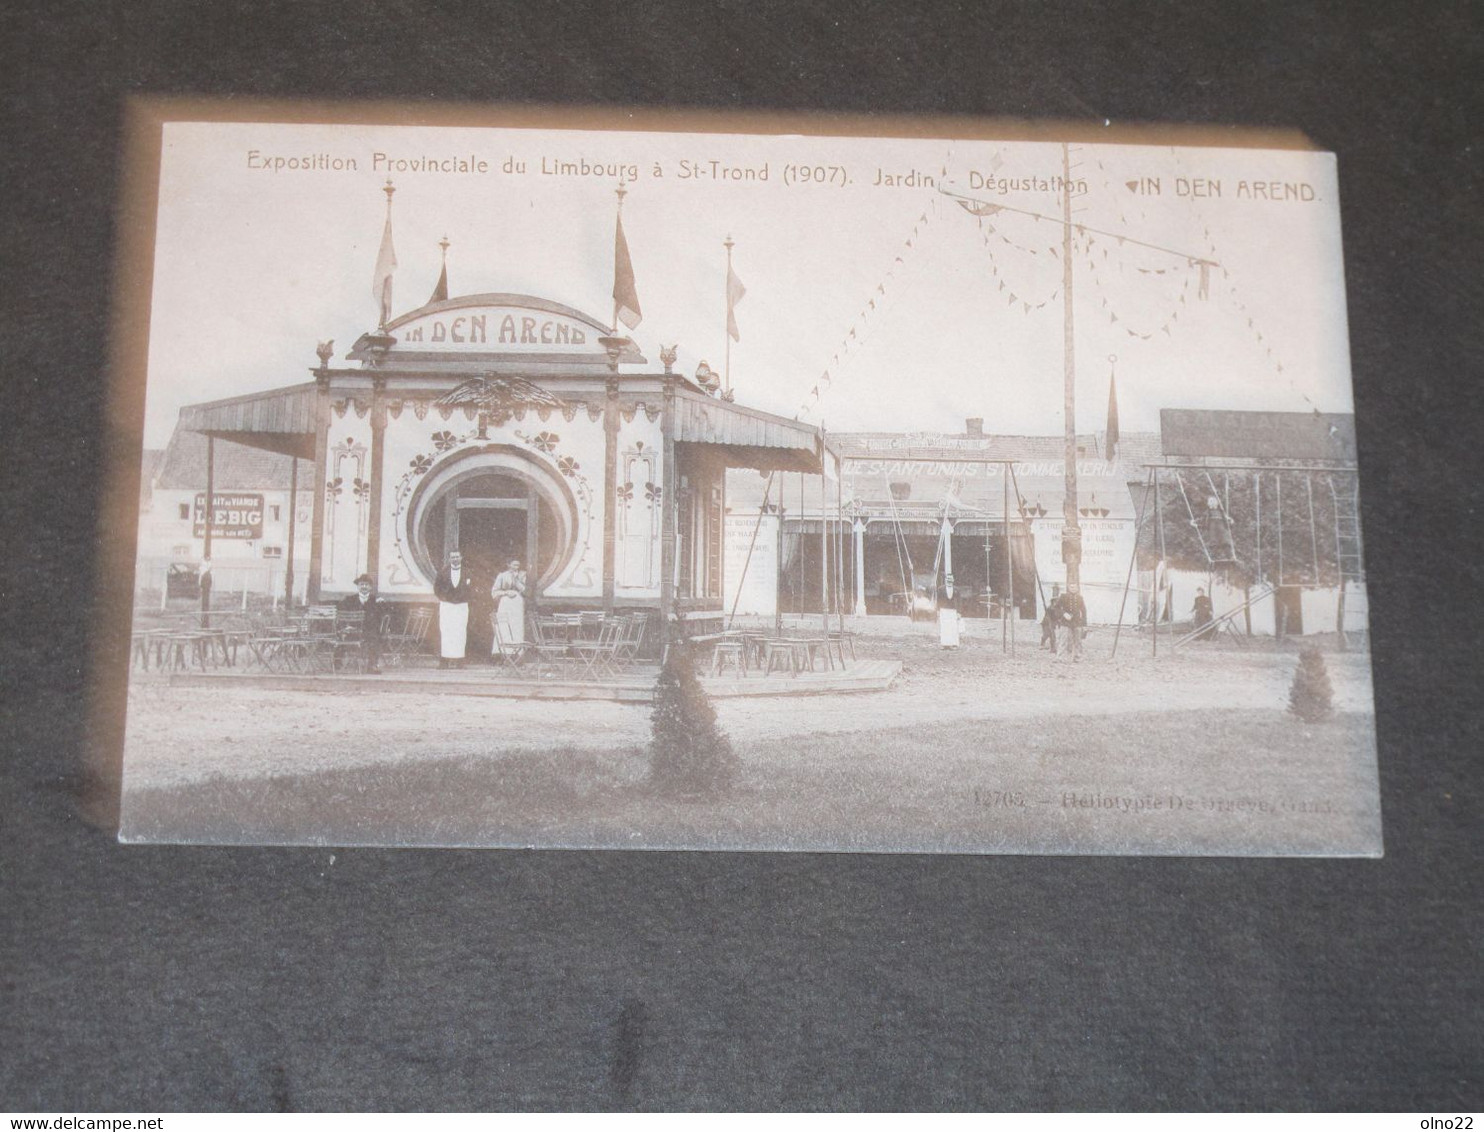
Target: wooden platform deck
x: 634, y: 687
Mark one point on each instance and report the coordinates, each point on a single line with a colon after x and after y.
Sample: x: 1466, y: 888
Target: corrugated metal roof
x: 279, y: 420
x: 750, y: 438
x: 182, y: 466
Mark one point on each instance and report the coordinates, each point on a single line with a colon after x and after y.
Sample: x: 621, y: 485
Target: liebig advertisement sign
x: 235, y: 515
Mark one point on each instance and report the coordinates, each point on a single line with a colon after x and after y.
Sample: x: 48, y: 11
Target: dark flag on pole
x: 1111, y: 444
x: 735, y: 291
x: 625, y: 293
x: 440, y: 291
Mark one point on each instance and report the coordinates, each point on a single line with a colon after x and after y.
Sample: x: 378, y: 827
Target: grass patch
x: 1247, y: 782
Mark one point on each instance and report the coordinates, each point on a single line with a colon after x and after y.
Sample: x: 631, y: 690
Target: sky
x: 953, y: 315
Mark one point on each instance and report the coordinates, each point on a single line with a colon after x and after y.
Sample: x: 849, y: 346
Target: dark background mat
x: 190, y: 978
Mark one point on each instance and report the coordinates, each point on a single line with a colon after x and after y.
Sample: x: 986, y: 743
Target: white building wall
x: 639, y: 504
x: 166, y: 537
x: 1321, y: 610
x: 1319, y: 606
x: 755, y: 577
x: 347, y: 488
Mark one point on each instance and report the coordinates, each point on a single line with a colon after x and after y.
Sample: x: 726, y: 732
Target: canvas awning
x: 747, y: 438
x: 278, y: 420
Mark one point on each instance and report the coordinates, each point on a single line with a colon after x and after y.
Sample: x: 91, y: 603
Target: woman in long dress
x: 509, y: 592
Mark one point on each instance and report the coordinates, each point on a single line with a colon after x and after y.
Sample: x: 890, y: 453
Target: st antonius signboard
x: 1272, y: 436
x: 234, y: 515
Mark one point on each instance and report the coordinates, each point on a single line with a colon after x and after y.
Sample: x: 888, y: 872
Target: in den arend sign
x: 489, y: 328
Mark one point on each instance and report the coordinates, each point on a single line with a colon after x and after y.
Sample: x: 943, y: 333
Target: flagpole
x: 620, y: 191
x: 1071, y: 539
x: 389, y: 189
x: 726, y: 371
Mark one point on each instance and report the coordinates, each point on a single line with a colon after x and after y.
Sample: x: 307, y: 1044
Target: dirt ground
x: 179, y: 735
x: 971, y: 750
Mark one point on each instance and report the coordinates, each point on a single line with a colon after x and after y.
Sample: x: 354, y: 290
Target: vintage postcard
x: 691, y: 484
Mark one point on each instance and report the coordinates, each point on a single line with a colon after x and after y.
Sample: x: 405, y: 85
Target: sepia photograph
x: 604, y: 487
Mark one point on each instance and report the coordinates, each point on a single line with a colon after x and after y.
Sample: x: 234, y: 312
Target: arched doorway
x: 493, y: 504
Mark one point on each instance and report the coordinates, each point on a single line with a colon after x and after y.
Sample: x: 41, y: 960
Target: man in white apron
x: 453, y: 588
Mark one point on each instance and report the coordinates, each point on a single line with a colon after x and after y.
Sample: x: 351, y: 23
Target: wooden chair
x: 808, y: 649
x: 144, y: 642
x: 397, y: 647
x: 235, y: 631
x: 631, y: 644
x: 511, y: 652
x: 266, y: 642
x: 564, y: 627
x: 319, y: 639
x: 184, y: 648
x: 552, y: 653
x: 779, y: 652
x: 840, y: 640
x: 597, y: 655
x: 349, y: 648
x: 731, y: 650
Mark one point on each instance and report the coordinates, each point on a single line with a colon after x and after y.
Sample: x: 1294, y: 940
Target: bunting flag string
x: 994, y: 267
x: 1134, y: 328
x: 1246, y: 319
x: 884, y: 290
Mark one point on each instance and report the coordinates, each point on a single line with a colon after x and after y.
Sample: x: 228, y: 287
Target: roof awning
x: 279, y: 420
x: 747, y: 438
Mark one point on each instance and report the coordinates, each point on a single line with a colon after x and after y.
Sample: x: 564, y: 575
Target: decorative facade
x: 508, y: 426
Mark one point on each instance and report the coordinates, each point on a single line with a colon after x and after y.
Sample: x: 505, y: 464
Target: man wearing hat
x: 364, y: 601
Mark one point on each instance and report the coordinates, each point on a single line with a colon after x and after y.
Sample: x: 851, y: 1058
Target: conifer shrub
x: 1310, y: 697
x: 690, y: 756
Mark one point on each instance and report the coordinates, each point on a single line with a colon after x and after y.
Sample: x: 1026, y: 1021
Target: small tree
x: 1310, y: 697
x: 689, y: 755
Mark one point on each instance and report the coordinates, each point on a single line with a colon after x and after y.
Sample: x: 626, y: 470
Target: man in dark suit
x: 1073, y: 619
x: 454, y: 588
x: 1051, y: 620
x: 364, y: 601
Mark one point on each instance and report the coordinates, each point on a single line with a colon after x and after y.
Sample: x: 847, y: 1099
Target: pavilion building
x: 509, y: 426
